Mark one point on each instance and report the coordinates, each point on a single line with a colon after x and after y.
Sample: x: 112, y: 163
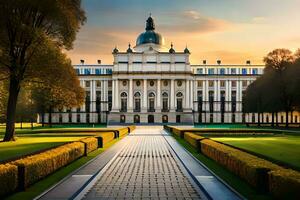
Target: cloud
x: 194, y: 21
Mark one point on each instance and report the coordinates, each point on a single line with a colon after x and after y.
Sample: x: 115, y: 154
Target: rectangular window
x: 97, y: 71
x: 233, y: 70
x: 210, y: 83
x: 254, y: 71
x: 87, y: 84
x: 98, y: 84
x: 87, y: 71
x: 222, y: 71
x: 199, y: 71
x: 244, y: 83
x: 222, y: 83
x: 211, y: 71
x: 244, y: 71
x: 108, y: 71
x: 200, y: 83
x: 233, y: 83
x: 77, y: 71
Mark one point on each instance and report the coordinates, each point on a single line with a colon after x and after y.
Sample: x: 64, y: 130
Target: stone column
x: 158, y: 95
x: 113, y: 95
x: 192, y: 94
x: 144, y: 108
x: 187, y: 94
x: 130, y: 96
x: 172, y: 96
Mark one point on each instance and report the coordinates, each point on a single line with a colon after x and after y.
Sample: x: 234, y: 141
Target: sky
x: 230, y: 30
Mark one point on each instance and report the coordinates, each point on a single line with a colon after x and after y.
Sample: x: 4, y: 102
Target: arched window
x: 137, y: 102
x: 136, y: 119
x: 151, y: 100
x: 165, y: 118
x: 123, y: 102
x: 165, y: 99
x: 122, y: 119
x: 179, y: 102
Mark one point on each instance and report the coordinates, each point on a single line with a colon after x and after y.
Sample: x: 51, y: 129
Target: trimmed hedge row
x: 90, y: 144
x: 35, y: 167
x: 104, y: 138
x: 284, y: 184
x: 250, y: 168
x: 193, y: 139
x: 8, y: 179
x: 263, y: 175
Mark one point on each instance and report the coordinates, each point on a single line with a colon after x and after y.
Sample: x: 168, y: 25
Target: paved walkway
x: 147, y: 164
x: 145, y: 168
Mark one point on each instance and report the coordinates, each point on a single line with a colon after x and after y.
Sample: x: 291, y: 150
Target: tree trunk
x: 14, y: 89
x: 277, y: 124
x: 273, y: 115
x: 21, y: 125
x: 259, y: 119
x: 291, y: 117
x: 286, y: 118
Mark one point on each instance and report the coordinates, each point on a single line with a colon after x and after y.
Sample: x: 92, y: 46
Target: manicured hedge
x: 250, y: 168
x: 8, y: 179
x: 104, y: 138
x: 91, y: 144
x: 123, y: 131
x: 35, y: 167
x: 193, y: 139
x: 131, y: 128
x: 284, y: 184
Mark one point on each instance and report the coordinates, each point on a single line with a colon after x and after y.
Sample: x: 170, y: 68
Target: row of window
x: 97, y: 71
x: 222, y: 83
x: 151, y: 102
x: 151, y: 119
x: 222, y: 71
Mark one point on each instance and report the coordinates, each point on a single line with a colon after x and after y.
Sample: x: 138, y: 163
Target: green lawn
x: 38, y: 127
x: 28, y: 144
x: 284, y: 149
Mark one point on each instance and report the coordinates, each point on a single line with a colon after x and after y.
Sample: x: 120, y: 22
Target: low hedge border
x: 90, y: 144
x: 104, y: 138
x: 193, y: 139
x: 8, y: 179
x: 33, y: 168
x: 263, y: 175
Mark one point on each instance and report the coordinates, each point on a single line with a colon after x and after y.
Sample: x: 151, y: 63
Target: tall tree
x: 25, y: 26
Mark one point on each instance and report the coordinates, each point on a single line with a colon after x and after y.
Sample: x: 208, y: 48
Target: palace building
x: 150, y: 83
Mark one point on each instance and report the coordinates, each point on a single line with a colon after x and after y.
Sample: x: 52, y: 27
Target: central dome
x: 150, y: 36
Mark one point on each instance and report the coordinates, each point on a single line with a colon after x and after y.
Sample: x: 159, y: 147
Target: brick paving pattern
x: 144, y: 169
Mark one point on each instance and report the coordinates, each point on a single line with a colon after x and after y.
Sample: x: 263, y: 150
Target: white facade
x: 150, y: 83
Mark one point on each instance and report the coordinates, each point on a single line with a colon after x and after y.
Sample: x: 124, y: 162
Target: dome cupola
x: 186, y: 50
x: 150, y: 36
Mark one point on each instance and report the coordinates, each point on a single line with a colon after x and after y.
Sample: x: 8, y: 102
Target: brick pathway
x: 144, y: 169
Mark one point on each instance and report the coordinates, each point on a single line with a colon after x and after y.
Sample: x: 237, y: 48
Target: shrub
x: 193, y: 139
x: 35, y: 167
x: 8, y: 179
x: 131, y: 128
x: 90, y: 144
x: 123, y: 131
x: 284, y: 184
x: 250, y: 168
x: 105, y: 137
